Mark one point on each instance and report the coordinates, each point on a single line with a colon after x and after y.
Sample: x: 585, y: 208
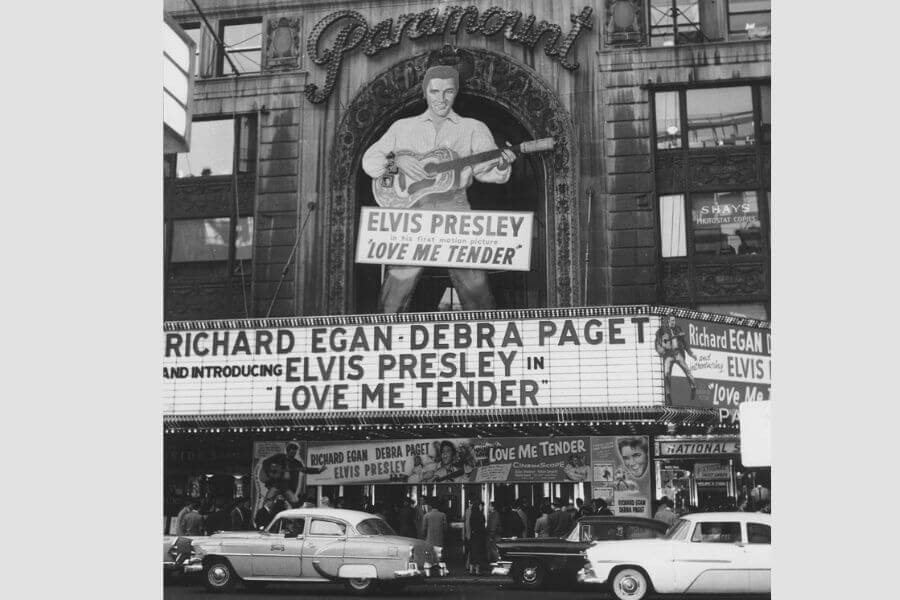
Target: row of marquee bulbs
x: 280, y: 428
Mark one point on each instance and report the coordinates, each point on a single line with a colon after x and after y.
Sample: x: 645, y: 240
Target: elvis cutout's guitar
x: 395, y: 189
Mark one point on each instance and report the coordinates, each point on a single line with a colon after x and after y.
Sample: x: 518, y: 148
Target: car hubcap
x: 629, y: 585
x: 529, y: 574
x: 218, y: 575
x: 359, y: 583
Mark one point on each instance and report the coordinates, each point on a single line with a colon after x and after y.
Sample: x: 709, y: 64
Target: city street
x: 462, y: 588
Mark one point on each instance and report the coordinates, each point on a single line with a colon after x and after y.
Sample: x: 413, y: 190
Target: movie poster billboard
x: 714, y: 365
x: 446, y: 460
x: 278, y: 473
x: 621, y: 473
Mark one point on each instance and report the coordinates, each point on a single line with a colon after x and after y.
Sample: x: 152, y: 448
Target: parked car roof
x: 729, y: 516
x: 351, y: 516
x: 619, y: 519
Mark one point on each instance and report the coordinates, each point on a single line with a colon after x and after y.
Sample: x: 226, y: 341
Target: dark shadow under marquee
x: 488, y: 75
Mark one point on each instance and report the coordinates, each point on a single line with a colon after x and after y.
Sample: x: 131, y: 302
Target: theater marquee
x: 579, y: 358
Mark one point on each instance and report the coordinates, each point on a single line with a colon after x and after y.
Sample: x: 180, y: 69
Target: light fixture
x: 672, y: 129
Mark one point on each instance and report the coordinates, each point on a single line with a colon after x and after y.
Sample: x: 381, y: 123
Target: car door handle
x: 277, y: 547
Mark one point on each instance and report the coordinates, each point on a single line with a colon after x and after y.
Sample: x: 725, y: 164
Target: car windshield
x: 374, y: 527
x: 678, y: 530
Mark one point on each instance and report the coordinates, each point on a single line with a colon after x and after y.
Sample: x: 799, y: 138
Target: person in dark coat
x: 510, y: 523
x: 478, y: 554
x: 406, y: 517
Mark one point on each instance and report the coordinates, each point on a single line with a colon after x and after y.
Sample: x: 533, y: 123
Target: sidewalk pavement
x: 457, y: 567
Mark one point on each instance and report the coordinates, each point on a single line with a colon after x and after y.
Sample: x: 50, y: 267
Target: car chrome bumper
x: 412, y: 570
x: 501, y: 568
x: 193, y: 565
x: 586, y: 575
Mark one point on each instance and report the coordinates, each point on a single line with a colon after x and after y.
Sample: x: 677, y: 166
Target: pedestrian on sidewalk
x: 664, y: 512
x: 542, y: 525
x: 493, y: 532
x: 478, y: 550
x: 435, y: 528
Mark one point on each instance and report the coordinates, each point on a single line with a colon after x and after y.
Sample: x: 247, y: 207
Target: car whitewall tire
x: 629, y: 584
x: 218, y: 576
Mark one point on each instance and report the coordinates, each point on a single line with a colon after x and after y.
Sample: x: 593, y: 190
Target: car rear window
x: 374, y: 527
x: 320, y: 527
x: 757, y: 533
x: 717, y: 532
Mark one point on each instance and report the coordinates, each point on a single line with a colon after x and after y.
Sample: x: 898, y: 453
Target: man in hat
x: 438, y: 127
x: 560, y: 521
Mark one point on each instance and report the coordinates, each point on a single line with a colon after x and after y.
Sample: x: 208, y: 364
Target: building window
x: 209, y: 221
x: 675, y: 22
x: 243, y: 45
x: 749, y: 18
x: 195, y: 33
x: 720, y: 117
x: 668, y: 120
x: 208, y: 240
x: 671, y: 226
x: 218, y: 146
x: 713, y: 116
x: 711, y: 164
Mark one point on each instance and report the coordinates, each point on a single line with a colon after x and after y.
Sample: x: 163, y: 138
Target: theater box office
x: 273, y: 236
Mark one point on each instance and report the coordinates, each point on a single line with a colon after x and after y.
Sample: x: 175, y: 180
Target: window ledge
x: 705, y: 54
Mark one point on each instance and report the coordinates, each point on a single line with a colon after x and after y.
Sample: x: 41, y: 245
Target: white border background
x: 83, y: 293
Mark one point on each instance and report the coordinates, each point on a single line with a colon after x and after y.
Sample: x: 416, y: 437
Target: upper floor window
x: 750, y: 18
x: 673, y: 22
x: 713, y: 117
x: 243, y: 45
x: 194, y: 31
x: 218, y: 147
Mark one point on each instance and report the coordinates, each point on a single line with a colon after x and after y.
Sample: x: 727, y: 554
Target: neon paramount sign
x: 353, y: 32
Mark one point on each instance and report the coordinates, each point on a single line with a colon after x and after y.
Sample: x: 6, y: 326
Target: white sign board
x: 582, y: 357
x: 473, y: 239
x: 756, y: 434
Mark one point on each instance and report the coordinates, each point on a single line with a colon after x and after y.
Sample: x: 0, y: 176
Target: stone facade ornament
x: 283, y: 44
x: 623, y: 20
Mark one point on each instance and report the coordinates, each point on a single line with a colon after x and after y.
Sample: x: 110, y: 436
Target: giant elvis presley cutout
x: 427, y: 162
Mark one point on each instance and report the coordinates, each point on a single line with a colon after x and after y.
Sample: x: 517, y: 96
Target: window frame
x: 222, y: 63
x: 198, y: 53
x: 721, y: 33
x: 737, y: 35
x: 763, y: 525
x: 315, y: 520
x: 232, y: 265
x: 759, y: 146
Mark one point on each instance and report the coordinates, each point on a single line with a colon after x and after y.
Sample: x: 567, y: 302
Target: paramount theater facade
x: 646, y: 220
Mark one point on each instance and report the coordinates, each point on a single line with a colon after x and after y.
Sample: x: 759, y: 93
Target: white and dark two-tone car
x: 703, y: 553
x: 355, y: 548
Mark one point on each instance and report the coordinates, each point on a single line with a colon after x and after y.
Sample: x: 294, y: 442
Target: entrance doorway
x: 523, y: 192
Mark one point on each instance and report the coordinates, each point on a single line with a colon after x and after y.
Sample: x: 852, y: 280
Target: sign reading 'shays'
x: 440, y: 238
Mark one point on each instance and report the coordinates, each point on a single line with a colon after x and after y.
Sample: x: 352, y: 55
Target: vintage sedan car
x: 316, y: 545
x: 703, y: 553
x: 531, y: 561
x: 176, y: 550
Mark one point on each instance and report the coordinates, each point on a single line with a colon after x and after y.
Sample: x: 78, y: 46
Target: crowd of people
x: 667, y: 510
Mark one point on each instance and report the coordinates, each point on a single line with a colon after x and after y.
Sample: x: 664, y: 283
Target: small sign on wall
x: 437, y: 238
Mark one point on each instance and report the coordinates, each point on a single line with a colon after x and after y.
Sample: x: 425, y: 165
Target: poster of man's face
x: 634, y: 455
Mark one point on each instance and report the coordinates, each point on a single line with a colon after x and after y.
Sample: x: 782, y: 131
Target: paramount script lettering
x: 351, y: 31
